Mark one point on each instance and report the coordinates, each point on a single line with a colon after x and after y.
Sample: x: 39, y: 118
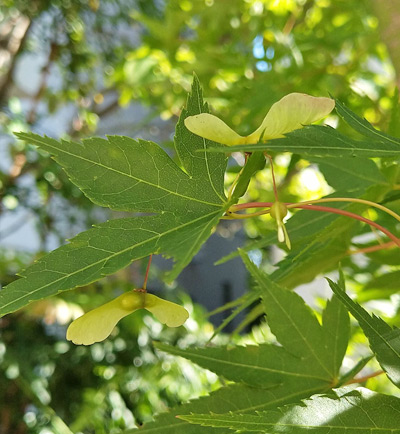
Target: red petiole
x: 317, y: 208
x: 147, y: 273
x: 354, y: 216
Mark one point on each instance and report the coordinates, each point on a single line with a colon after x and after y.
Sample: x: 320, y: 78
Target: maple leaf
x: 359, y: 411
x: 136, y: 176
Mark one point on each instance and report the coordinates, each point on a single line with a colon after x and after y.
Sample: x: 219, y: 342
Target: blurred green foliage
x: 103, y: 388
x: 97, y: 56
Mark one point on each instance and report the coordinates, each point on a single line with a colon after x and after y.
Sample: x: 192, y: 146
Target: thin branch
x: 15, y: 52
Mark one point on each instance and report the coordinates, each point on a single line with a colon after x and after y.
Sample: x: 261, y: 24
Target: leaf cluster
x: 174, y: 207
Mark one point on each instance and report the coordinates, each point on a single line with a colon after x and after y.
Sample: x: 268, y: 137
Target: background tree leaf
x: 390, y: 282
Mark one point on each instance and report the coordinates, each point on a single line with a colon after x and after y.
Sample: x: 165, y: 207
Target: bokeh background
x: 78, y: 68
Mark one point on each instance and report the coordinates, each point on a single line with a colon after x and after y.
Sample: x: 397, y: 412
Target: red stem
x: 273, y: 176
x: 254, y: 205
x: 354, y: 216
x: 324, y: 209
x: 147, y: 272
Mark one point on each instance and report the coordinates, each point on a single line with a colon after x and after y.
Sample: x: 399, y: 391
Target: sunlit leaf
x: 360, y: 411
x: 237, y: 398
x: 362, y: 126
x: 340, y: 174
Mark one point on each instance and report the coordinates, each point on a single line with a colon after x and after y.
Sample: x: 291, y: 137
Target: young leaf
x: 360, y: 411
x: 384, y: 340
x: 129, y: 175
x: 255, y: 162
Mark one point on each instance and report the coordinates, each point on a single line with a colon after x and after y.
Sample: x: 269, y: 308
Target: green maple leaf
x: 320, y: 141
x: 359, y: 411
x: 310, y: 355
x: 308, y: 361
x: 237, y: 398
x: 384, y: 340
x: 136, y: 176
x: 340, y: 174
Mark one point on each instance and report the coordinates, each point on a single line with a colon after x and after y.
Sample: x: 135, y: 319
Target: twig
x: 8, y: 79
